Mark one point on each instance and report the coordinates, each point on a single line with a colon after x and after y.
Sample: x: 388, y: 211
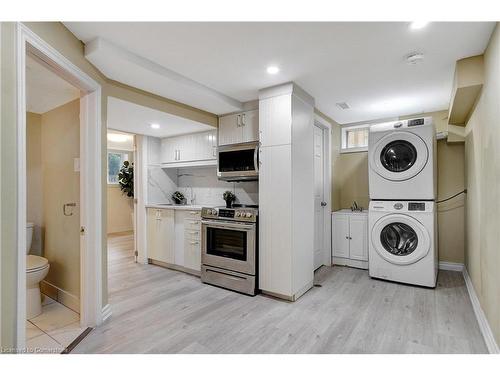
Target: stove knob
x: 249, y: 214
x: 214, y: 212
x: 237, y: 214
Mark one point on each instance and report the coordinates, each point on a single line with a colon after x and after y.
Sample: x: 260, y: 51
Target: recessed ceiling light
x: 155, y: 126
x: 273, y: 69
x: 417, y: 25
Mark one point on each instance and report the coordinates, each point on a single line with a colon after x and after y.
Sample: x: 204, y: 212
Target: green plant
x: 178, y: 197
x: 126, y: 179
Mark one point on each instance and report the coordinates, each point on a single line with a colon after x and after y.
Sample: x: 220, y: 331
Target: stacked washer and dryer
x: 402, y: 217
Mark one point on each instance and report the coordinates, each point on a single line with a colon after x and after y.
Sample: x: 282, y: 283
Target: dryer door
x: 400, y: 239
x: 399, y: 156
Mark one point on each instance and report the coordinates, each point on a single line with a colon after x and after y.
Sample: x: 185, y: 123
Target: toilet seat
x: 35, y: 263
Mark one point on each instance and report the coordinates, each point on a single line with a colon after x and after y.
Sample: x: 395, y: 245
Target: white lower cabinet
x: 174, y: 238
x: 350, y: 238
x: 161, y: 234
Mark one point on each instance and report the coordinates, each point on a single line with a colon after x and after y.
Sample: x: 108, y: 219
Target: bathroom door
x: 319, y: 197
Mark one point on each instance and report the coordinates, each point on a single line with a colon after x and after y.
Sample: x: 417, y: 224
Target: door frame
x: 327, y: 187
x: 90, y: 177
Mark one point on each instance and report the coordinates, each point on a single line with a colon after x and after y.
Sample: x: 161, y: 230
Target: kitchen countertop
x: 175, y: 206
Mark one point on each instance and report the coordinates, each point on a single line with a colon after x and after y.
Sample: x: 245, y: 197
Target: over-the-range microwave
x: 238, y: 162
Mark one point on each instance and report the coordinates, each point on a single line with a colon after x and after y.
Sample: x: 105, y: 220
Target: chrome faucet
x: 355, y: 207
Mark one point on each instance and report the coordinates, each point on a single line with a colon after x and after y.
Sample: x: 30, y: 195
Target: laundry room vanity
x: 350, y: 238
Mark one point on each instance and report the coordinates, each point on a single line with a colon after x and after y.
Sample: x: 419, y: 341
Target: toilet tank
x: 29, y: 236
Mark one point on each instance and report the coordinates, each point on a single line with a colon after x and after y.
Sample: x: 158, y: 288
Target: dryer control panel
x: 416, y: 206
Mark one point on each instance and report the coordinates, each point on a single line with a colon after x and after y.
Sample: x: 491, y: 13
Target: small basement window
x: 355, y: 138
x: 115, y: 162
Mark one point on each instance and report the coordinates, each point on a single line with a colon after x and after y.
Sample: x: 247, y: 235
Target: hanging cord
x: 453, y: 196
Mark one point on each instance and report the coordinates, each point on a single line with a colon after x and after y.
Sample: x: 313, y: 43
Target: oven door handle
x: 227, y: 225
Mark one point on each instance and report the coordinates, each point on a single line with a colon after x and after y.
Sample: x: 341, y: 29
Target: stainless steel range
x: 229, y: 248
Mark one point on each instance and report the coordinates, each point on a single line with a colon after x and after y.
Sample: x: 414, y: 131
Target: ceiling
x: 137, y: 119
x: 45, y: 90
x: 361, y: 63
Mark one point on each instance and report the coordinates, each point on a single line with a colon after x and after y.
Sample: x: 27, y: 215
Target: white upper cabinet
x: 196, y: 148
x: 239, y: 128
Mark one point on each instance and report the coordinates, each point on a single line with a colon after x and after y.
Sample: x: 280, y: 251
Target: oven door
x: 229, y: 245
x: 238, y: 162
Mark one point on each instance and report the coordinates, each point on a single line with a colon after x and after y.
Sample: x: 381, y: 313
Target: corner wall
x: 482, y: 158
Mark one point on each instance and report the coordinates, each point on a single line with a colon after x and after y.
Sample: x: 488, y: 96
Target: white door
x: 358, y: 248
x: 319, y: 198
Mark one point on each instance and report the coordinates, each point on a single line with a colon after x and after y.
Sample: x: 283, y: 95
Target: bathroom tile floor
x: 53, y: 330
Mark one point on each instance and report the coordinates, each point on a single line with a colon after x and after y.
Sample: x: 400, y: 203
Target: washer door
x: 400, y: 239
x: 399, y: 156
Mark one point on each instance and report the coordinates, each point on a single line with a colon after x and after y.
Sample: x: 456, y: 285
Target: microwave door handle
x: 256, y: 158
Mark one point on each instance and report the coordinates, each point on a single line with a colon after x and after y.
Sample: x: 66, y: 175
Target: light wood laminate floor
x: 156, y: 310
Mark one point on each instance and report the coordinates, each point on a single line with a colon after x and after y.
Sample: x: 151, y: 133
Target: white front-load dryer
x: 402, y: 160
x: 403, y: 241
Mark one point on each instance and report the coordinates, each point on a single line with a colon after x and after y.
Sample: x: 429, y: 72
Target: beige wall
x: 351, y: 175
x: 60, y: 144
x: 482, y: 155
x: 34, y: 190
x: 120, y: 207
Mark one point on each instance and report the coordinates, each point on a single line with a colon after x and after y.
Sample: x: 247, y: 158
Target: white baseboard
x: 484, y: 326
x: 106, y: 312
x: 451, y: 266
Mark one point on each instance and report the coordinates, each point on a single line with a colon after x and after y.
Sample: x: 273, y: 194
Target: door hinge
x: 82, y: 231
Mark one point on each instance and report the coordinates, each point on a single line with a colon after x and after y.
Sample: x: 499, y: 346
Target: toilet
x: 37, y: 269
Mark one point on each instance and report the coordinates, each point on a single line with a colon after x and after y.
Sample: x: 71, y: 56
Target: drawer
x: 192, y: 234
x: 192, y: 224
x: 194, y: 215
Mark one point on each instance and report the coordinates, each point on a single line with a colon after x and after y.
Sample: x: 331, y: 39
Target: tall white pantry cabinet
x: 286, y: 191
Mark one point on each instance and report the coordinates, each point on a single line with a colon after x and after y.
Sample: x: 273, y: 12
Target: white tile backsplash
x: 207, y: 189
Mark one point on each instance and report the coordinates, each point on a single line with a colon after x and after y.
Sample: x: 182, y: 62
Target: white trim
x: 141, y: 190
x: 451, y: 266
x: 106, y: 312
x: 327, y: 188
x: 484, y: 326
x: 90, y: 174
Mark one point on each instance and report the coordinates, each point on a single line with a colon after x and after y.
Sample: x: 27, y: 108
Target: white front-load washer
x: 403, y: 241
x: 402, y: 160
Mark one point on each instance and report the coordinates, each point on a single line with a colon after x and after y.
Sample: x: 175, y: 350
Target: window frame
x: 343, y: 139
x: 122, y: 159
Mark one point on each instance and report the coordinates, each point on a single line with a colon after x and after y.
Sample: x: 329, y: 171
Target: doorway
x: 121, y: 202
x: 84, y: 208
x: 322, y: 193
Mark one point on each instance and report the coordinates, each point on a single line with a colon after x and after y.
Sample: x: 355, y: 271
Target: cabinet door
x: 152, y: 232
x: 340, y: 235
x: 168, y: 150
x: 165, y: 249
x: 250, y: 126
x: 192, y: 253
x: 358, y: 229
x: 275, y: 237
x: 230, y: 129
